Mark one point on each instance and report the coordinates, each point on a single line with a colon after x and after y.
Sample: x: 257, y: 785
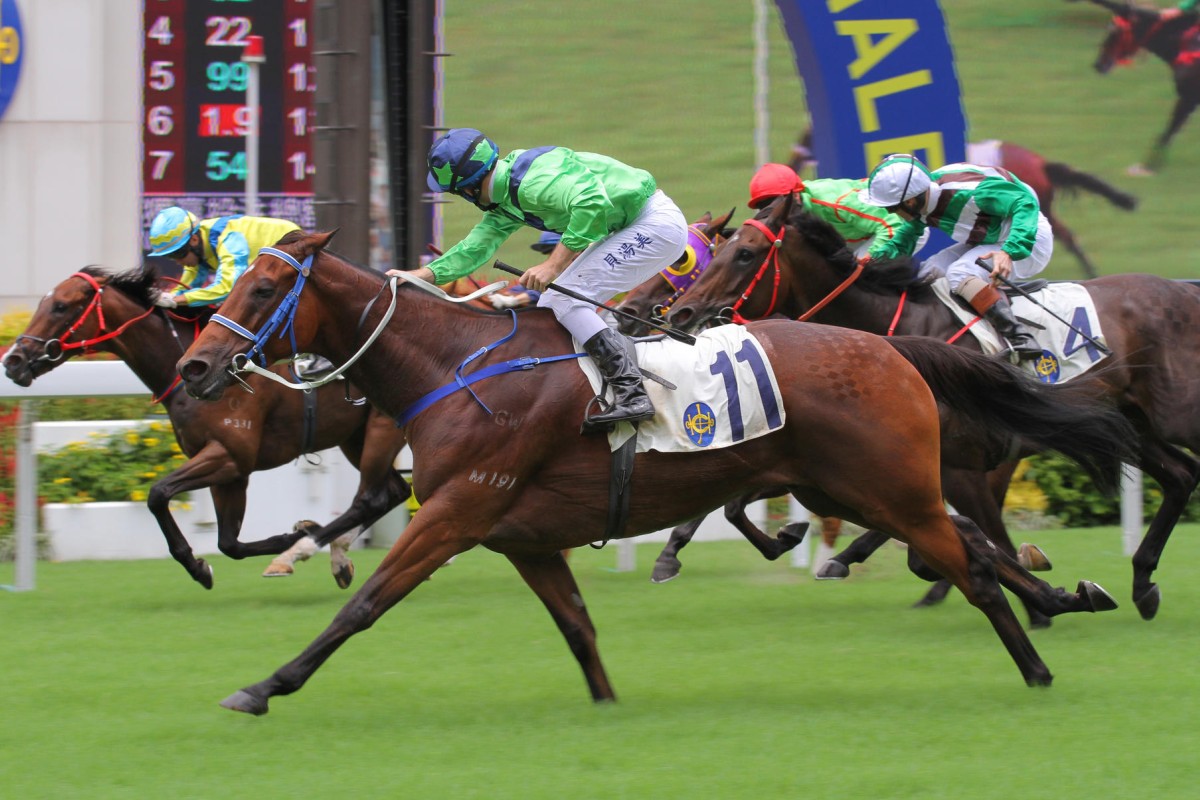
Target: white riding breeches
x: 957, y: 262
x: 617, y: 263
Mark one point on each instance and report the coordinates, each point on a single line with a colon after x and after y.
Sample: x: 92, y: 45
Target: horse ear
x: 782, y: 208
x: 717, y: 226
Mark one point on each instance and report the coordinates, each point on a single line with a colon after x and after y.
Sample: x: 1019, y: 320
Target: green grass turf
x: 672, y: 91
x: 740, y: 679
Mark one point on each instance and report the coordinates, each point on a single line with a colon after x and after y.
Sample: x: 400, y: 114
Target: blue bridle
x: 284, y: 315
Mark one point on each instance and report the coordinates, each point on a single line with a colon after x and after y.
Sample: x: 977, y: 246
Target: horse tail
x: 1071, y: 179
x: 990, y: 393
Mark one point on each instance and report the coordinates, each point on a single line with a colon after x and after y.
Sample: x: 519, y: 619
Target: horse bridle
x: 56, y: 349
x: 772, y: 259
x: 285, y: 316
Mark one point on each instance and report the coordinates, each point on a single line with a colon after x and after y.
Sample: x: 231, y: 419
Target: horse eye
x: 264, y: 291
x: 59, y: 307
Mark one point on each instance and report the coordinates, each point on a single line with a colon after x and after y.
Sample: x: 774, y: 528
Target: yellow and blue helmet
x: 459, y: 160
x: 171, y: 230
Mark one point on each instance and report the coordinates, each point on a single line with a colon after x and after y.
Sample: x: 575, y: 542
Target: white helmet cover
x: 896, y: 179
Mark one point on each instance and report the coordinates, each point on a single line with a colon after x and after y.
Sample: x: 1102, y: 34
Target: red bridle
x: 772, y: 259
x: 1127, y: 45
x: 97, y: 304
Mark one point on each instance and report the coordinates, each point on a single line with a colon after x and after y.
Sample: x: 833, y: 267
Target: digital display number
x: 195, y: 117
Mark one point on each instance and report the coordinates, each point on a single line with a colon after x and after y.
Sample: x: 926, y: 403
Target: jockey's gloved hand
x: 164, y: 300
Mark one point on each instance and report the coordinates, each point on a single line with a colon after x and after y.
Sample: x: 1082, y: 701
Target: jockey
x: 214, y: 252
x: 988, y: 212
x: 864, y: 227
x: 617, y: 230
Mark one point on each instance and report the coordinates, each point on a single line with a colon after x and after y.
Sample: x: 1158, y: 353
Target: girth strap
x: 619, y: 481
x: 309, y: 436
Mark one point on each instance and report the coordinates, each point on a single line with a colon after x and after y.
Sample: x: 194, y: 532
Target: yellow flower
x: 137, y: 495
x: 150, y: 441
x: 149, y: 474
x: 62, y: 480
x: 131, y: 437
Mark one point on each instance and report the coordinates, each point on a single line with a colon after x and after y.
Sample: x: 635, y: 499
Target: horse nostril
x: 13, y: 361
x: 193, y: 370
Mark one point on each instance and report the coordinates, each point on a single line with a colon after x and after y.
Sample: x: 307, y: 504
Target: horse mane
x: 138, y: 283
x: 881, y: 276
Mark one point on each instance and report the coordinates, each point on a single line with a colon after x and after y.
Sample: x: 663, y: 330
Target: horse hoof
x: 1040, y: 680
x: 243, y: 701
x: 665, y: 570
x: 1147, y: 604
x: 832, y: 571
x: 1098, y: 599
x: 344, y: 576
x: 274, y: 570
x: 791, y: 535
x: 205, y: 578
x: 1031, y: 557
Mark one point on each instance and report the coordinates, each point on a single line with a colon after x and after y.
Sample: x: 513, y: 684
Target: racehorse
x: 504, y: 465
x: 95, y: 309
x: 1151, y: 325
x: 1173, y: 37
x: 1043, y: 176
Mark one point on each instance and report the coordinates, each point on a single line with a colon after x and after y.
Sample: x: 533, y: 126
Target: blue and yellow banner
x: 10, y: 51
x: 879, y: 78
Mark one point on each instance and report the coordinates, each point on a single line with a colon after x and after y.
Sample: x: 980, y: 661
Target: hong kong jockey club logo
x: 700, y: 424
x: 1047, y: 367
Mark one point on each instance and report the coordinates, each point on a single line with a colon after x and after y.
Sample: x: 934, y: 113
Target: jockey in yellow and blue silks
x: 214, y: 252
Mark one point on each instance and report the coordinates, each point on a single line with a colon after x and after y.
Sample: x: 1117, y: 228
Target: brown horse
x: 504, y: 466
x: 1151, y: 325
x: 1173, y: 37
x: 226, y: 441
x: 1046, y: 178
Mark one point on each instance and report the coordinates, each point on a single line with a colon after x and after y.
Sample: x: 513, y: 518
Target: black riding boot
x: 1018, y: 336
x: 614, y: 355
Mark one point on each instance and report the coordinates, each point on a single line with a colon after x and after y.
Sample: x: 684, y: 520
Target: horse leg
x: 283, y: 564
x: 210, y: 466
x: 1064, y: 235
x: 838, y: 566
x: 667, y: 566
x: 967, y: 562
x: 1184, y: 106
x: 1037, y: 595
x: 770, y: 547
x: 424, y: 546
x: 229, y: 525
x: 552, y: 581
x: 1178, y: 474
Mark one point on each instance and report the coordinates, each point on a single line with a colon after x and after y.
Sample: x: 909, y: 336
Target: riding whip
x: 1036, y: 302
x: 679, y: 336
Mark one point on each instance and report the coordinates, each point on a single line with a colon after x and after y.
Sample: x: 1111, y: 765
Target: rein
x: 285, y: 315
x: 1127, y: 45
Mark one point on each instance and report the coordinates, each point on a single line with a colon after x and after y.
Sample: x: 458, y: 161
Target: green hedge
x: 1074, y: 501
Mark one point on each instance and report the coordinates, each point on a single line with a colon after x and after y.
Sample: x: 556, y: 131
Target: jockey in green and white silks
x: 214, y: 252
x: 988, y: 212
x: 617, y: 231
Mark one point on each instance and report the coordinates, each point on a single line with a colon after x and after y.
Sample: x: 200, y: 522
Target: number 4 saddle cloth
x: 1066, y: 352
x: 725, y: 392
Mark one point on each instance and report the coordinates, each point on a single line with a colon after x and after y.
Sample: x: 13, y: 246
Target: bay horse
x: 1047, y: 179
x: 1151, y: 325
x: 1174, y: 38
x: 504, y: 466
x: 97, y: 309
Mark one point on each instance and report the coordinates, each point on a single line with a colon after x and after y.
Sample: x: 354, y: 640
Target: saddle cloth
x: 726, y: 392
x: 1065, y: 354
